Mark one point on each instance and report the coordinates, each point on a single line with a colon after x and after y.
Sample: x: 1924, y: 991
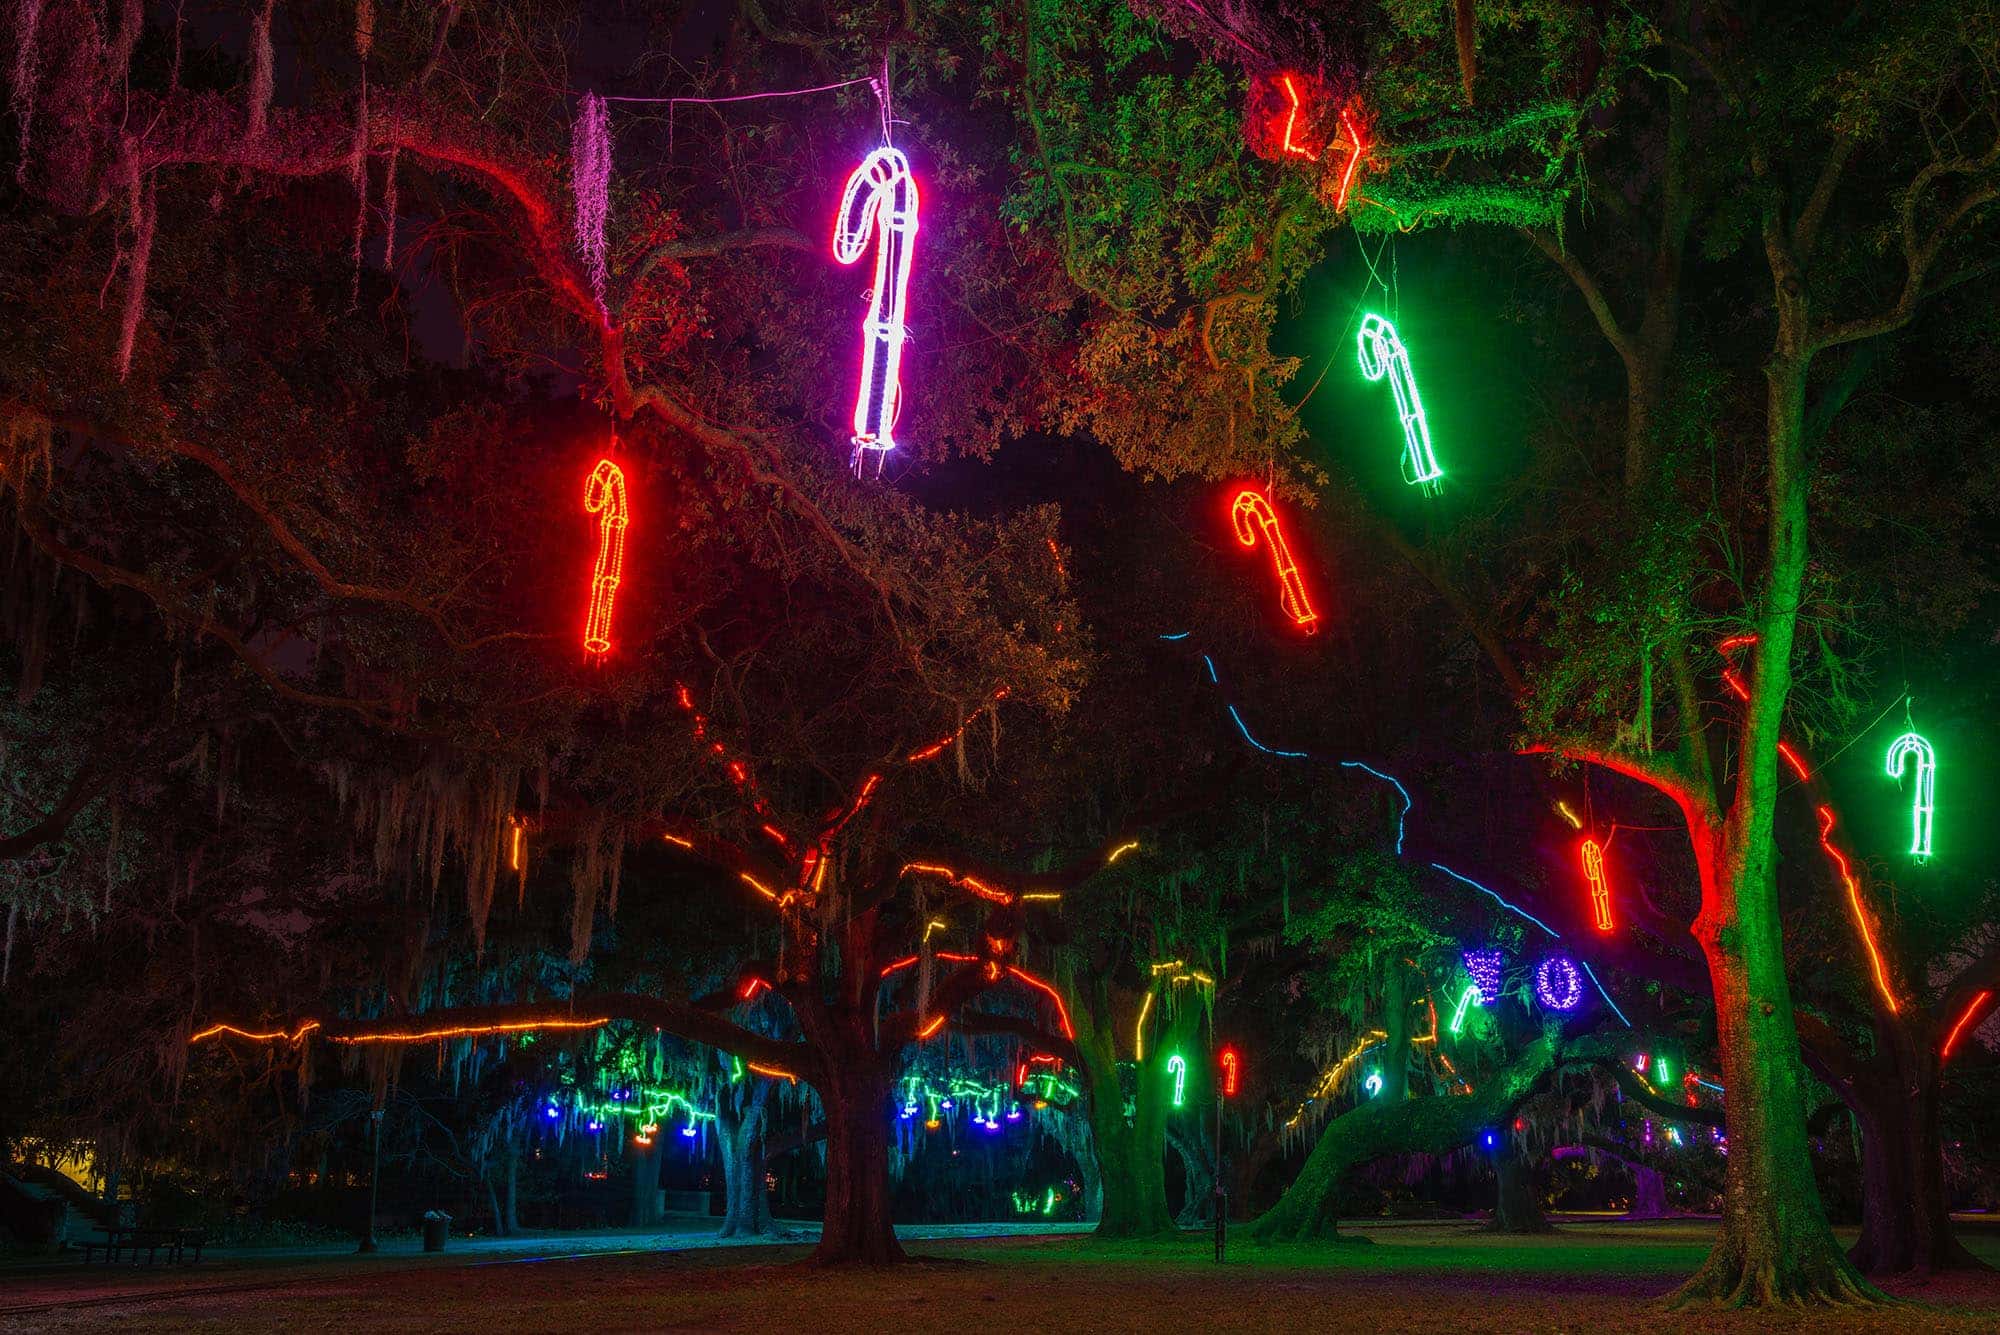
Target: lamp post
x: 374, y: 1180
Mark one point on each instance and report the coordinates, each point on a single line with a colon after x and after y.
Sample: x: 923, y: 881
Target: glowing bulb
x: 604, y: 494
x: 1251, y: 514
x: 880, y: 203
x: 1383, y: 354
x: 1902, y: 751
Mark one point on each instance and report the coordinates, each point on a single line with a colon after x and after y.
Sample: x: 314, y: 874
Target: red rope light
x: 1353, y: 159
x: 1250, y: 513
x: 936, y: 1023
x: 1062, y: 1011
x: 1951, y: 1039
x: 604, y: 494
x: 1292, y: 120
x: 970, y: 884
x: 470, y: 1030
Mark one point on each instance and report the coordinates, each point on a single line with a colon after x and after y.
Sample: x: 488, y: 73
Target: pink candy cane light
x: 880, y: 202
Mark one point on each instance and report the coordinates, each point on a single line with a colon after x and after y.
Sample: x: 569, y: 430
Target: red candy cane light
x: 604, y: 495
x: 880, y: 203
x: 1252, y: 516
x: 1232, y: 1071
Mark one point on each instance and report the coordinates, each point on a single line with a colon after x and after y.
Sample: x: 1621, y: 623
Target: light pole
x: 374, y: 1180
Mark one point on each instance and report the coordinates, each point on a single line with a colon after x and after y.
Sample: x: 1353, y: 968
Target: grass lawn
x: 1444, y: 1279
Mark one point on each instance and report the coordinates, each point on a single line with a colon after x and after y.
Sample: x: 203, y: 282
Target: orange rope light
x: 678, y: 841
x: 298, y: 1036
x: 937, y: 747
x: 772, y: 1071
x: 756, y: 885
x: 514, y: 853
x: 970, y: 884
x: 936, y: 1024
x: 1120, y: 852
x: 1952, y: 1039
x: 469, y: 1030
x: 1860, y: 914
x: 604, y: 494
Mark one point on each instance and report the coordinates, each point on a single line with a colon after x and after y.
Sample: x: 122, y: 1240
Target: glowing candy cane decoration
x: 1904, y: 748
x: 1232, y: 1066
x: 1251, y: 513
x: 1292, y: 120
x: 880, y: 203
x: 1177, y: 1068
x: 604, y: 494
x: 1600, y: 887
x: 1383, y: 354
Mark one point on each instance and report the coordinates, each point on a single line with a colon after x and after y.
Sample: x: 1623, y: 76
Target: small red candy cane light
x: 604, y: 495
x: 1600, y: 884
x: 1232, y: 1071
x: 1251, y: 514
x: 880, y: 203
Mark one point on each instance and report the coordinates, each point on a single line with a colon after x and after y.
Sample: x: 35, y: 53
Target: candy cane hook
x: 1911, y: 747
x: 880, y: 202
x: 1383, y: 354
x: 1232, y: 1070
x: 1251, y: 514
x: 1600, y: 886
x: 604, y: 494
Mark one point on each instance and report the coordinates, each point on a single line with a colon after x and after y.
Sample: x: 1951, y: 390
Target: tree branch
x: 1593, y: 294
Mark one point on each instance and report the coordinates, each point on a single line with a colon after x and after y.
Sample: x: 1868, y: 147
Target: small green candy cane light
x: 1383, y: 354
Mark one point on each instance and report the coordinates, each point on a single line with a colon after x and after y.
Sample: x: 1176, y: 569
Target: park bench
x: 131, y: 1241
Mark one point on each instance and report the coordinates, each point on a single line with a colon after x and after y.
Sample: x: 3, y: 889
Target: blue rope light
x: 1401, y: 816
x: 1708, y: 1084
x: 1498, y: 900
x: 1606, y: 995
x: 1402, y: 821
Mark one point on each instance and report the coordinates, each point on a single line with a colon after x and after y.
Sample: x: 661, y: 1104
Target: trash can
x: 436, y: 1224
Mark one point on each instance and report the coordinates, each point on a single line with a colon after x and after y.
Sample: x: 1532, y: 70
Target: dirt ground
x: 1440, y: 1279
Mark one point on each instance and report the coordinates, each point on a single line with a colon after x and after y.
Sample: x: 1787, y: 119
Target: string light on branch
x: 879, y: 204
x: 1951, y: 1039
x: 1383, y: 356
x: 1558, y: 984
x: 1251, y: 515
x: 1912, y: 750
x: 1291, y: 143
x: 1600, y: 887
x: 604, y: 495
x: 295, y: 1037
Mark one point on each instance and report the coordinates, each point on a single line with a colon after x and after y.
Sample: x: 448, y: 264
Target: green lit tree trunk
x: 1374, y: 1130
x: 1131, y: 1151
x: 1775, y: 1243
x: 1395, y: 1066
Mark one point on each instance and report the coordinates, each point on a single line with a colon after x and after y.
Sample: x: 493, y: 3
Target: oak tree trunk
x: 858, y: 1226
x: 746, y: 1210
x: 1905, y: 1215
x: 1516, y: 1208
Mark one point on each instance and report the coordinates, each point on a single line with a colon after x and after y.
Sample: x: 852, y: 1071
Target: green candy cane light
x: 1383, y: 354
x: 1912, y: 748
x: 1177, y: 1068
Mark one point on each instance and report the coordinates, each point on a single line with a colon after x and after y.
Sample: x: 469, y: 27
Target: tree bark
x: 746, y: 1210
x: 648, y: 1206
x: 1131, y: 1151
x: 1775, y: 1245
x: 1649, y: 1193
x: 1193, y: 1143
x: 1905, y: 1215
x: 1373, y: 1129
x: 858, y: 1226
x: 1515, y: 1207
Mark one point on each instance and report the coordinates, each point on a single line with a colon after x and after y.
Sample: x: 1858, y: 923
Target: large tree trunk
x: 648, y: 1204
x: 858, y: 1225
x: 1515, y: 1207
x: 1194, y: 1142
x: 1131, y: 1151
x: 1775, y: 1245
x: 1373, y: 1130
x: 746, y: 1210
x: 1395, y: 1066
x: 511, y: 1220
x: 1649, y: 1193
x: 1905, y: 1216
